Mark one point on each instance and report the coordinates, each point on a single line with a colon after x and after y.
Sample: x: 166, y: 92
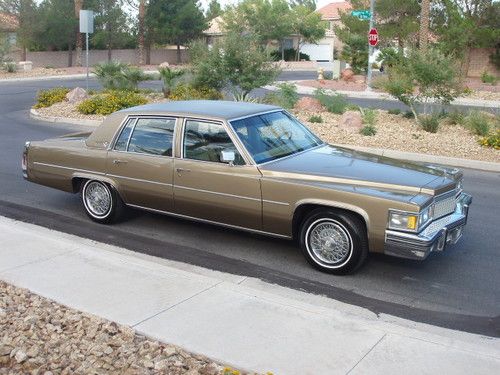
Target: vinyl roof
x: 226, y: 110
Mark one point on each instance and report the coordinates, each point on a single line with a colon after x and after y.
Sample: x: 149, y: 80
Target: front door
x: 205, y: 187
x: 141, y: 162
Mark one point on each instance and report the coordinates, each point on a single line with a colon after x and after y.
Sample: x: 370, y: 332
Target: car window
x: 206, y: 141
x: 153, y: 136
x: 122, y: 141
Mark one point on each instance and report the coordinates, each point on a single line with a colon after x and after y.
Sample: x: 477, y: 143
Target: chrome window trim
x: 218, y: 193
x: 264, y: 113
x: 231, y: 137
x: 212, y: 222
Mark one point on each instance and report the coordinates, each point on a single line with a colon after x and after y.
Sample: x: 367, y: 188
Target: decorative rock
x: 351, y: 121
x: 26, y: 65
x: 347, y: 74
x: 20, y: 356
x: 309, y: 104
x: 5, y: 350
x: 76, y: 95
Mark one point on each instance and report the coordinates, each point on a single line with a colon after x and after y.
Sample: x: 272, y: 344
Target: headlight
x: 410, y: 221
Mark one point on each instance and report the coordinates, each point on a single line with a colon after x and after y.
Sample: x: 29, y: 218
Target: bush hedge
x: 109, y: 102
x: 46, y: 98
x: 189, y: 92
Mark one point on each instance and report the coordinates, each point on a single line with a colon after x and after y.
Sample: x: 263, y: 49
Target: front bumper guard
x: 436, y: 237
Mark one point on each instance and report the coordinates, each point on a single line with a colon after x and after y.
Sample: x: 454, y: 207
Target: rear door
x: 205, y: 187
x: 141, y: 162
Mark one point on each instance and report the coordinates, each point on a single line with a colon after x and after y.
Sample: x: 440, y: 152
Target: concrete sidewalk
x: 237, y: 320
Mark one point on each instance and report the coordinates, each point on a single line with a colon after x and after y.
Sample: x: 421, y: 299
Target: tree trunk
x: 424, y: 25
x: 298, y: 50
x: 24, y: 53
x: 179, y: 60
x: 79, y: 40
x: 282, y: 49
x: 142, y: 14
x: 148, y: 53
x: 465, y: 62
x: 70, y: 54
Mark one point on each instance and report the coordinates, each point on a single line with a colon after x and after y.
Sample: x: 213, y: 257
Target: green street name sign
x: 361, y: 14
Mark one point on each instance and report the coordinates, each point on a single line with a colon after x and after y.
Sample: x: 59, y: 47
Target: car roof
x: 221, y: 109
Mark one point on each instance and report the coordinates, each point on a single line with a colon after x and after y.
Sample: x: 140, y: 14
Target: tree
x: 461, y: 25
x: 307, y: 25
x: 397, y: 20
x: 111, y: 26
x: 177, y: 22
x: 58, y: 20
x: 26, y: 13
x: 423, y: 77
x: 140, y: 7
x: 214, y: 10
x: 309, y: 4
x: 355, y: 52
x: 79, y: 39
x: 423, y: 36
x: 236, y: 62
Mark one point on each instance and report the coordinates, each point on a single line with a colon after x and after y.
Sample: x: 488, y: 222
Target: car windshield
x: 274, y: 135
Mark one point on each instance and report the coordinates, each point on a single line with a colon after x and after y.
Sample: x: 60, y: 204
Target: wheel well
x: 77, y: 183
x: 305, y: 209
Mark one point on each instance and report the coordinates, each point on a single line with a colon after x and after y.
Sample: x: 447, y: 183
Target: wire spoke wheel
x: 97, y: 199
x: 329, y: 242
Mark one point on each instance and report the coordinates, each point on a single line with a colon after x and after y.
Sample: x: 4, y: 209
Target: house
x: 325, y: 49
x: 8, y: 27
x: 322, y: 51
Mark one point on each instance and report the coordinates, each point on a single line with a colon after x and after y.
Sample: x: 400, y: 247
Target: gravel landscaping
x: 40, y: 336
x: 398, y: 133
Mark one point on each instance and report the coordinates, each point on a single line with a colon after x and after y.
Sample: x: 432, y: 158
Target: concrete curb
x: 426, y: 158
x: 67, y: 120
x: 63, y: 76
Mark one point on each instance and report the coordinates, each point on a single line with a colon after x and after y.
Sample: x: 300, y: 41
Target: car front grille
x: 445, y: 206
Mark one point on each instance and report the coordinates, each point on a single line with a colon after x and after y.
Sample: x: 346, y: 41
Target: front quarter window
x: 274, y: 135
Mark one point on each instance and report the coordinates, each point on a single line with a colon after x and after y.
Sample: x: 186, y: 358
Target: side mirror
x: 228, y: 157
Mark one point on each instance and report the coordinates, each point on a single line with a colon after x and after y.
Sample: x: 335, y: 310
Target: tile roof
x: 8, y: 22
x: 331, y: 11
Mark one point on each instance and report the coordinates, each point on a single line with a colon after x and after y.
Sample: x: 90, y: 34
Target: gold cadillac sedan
x: 255, y: 167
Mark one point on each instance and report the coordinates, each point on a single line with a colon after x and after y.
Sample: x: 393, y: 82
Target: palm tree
x: 424, y: 25
x: 79, y: 42
x: 142, y: 14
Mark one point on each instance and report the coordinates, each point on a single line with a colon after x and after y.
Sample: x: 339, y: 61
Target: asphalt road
x: 458, y: 288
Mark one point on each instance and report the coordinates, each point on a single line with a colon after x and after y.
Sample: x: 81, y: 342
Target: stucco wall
x: 480, y: 62
x: 59, y: 59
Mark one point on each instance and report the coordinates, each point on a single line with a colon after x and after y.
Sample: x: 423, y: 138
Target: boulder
x: 76, y: 95
x: 164, y: 65
x: 351, y: 121
x: 309, y: 104
x: 347, y: 74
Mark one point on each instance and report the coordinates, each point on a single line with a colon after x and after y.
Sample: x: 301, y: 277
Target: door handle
x: 117, y: 161
x: 180, y: 170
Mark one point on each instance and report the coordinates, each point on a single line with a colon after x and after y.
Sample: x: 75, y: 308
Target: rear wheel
x: 334, y: 241
x: 102, y: 204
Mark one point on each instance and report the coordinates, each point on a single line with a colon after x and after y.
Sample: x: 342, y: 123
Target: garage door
x: 318, y: 52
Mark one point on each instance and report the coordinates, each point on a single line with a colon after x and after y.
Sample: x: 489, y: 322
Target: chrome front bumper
x: 435, y: 237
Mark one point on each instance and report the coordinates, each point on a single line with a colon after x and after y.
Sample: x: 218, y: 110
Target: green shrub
x: 409, y: 115
x: 369, y: 116
x: 333, y: 103
x: 492, y: 141
x: 456, y: 118
x: 170, y: 78
x: 429, y: 123
x: 395, y: 111
x: 189, y: 92
x: 46, y: 98
x: 288, y: 94
x: 10, y: 67
x: 316, y: 119
x: 368, y: 130
x: 488, y: 78
x: 109, y: 102
x: 478, y: 123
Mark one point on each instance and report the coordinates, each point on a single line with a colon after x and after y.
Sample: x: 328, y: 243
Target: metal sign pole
x: 370, y: 49
x: 87, y: 57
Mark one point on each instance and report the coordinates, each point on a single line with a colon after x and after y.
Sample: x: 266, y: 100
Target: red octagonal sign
x: 373, y: 37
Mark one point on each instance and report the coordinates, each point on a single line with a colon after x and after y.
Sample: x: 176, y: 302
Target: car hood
x: 343, y: 165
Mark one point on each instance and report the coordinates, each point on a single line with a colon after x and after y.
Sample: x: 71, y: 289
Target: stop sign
x: 373, y: 37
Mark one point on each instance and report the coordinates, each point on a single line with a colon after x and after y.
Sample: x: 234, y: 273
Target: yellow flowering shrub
x: 45, y: 98
x: 492, y: 141
x: 109, y: 102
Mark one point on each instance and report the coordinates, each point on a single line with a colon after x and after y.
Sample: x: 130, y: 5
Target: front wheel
x: 102, y: 204
x: 334, y: 242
